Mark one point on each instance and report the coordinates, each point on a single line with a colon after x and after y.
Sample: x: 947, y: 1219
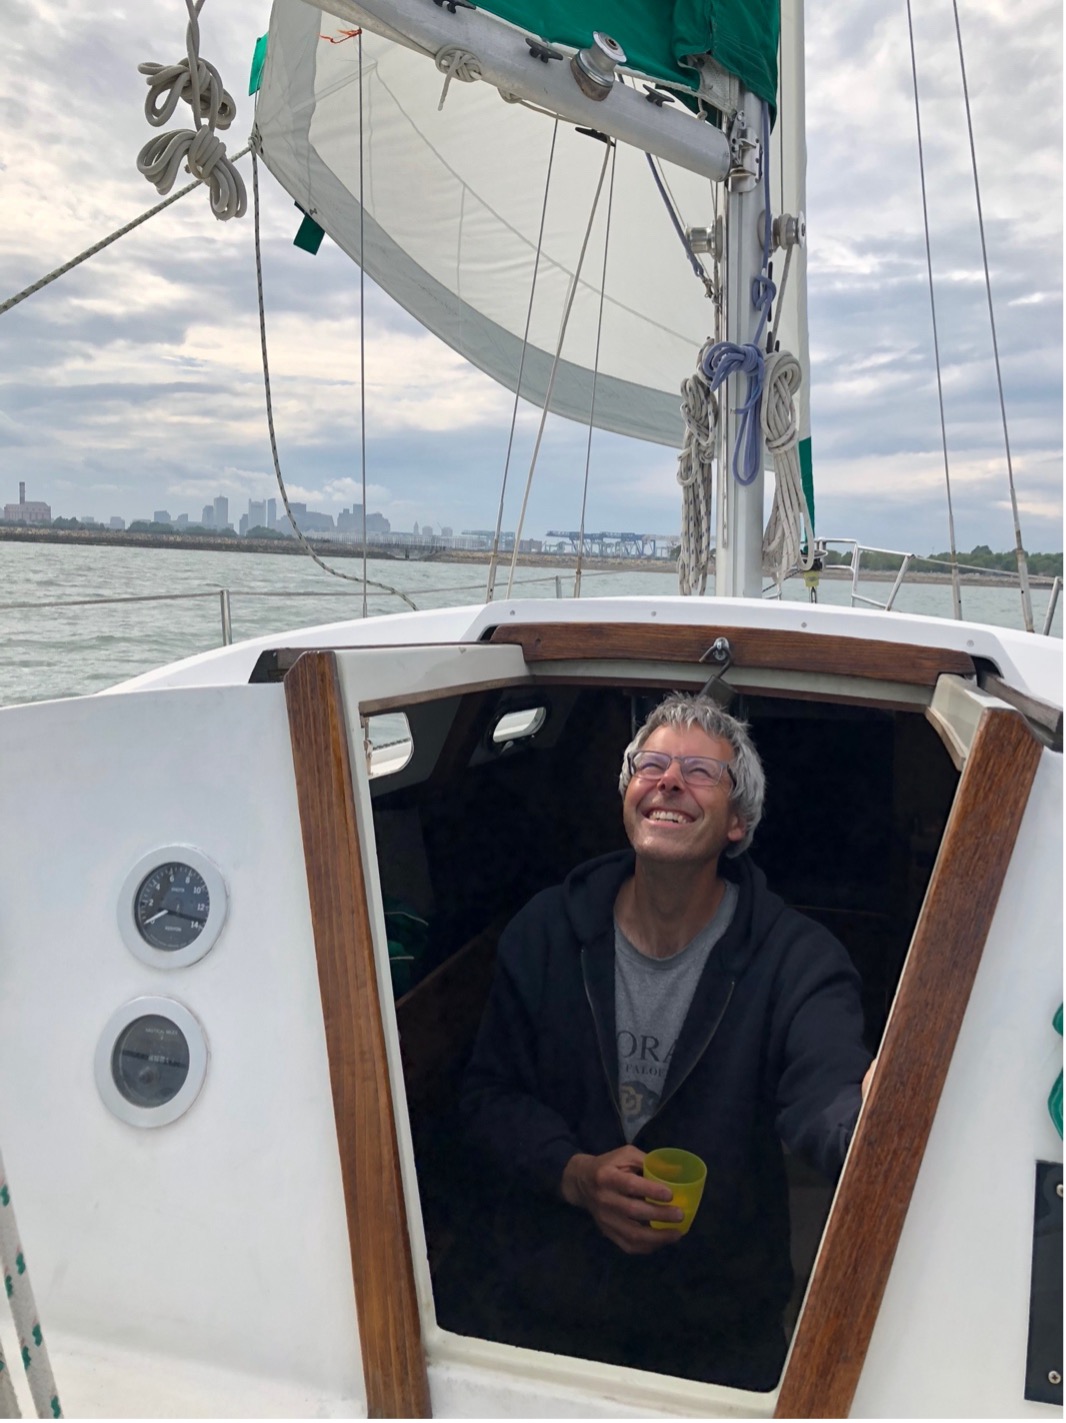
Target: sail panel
x: 452, y: 210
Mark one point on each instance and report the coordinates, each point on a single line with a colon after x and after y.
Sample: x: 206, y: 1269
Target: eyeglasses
x: 696, y: 771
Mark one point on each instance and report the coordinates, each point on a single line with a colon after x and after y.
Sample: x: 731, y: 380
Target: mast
x: 740, y: 511
x: 738, y: 560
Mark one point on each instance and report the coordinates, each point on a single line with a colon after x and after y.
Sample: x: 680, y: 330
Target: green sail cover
x: 656, y: 35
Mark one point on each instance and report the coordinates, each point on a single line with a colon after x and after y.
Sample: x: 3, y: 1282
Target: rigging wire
x: 362, y: 321
x: 494, y: 556
x: 348, y: 577
x: 955, y: 590
x: 1023, y: 567
x: 44, y: 281
x: 568, y: 307
x: 595, y: 375
x: 693, y: 260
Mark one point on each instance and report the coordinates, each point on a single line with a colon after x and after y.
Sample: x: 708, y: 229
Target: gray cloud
x: 139, y: 372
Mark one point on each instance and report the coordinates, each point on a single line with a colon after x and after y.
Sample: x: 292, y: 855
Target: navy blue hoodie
x: 771, y: 1051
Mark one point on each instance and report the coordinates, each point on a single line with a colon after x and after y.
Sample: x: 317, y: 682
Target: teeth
x: 670, y: 816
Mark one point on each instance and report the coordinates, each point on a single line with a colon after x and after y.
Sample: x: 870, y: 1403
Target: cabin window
x: 517, y: 725
x: 857, y: 803
x: 389, y: 744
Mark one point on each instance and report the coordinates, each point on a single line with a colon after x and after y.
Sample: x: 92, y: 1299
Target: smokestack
x: 22, y: 491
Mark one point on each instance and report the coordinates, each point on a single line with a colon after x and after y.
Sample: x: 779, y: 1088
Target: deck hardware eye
x: 720, y: 654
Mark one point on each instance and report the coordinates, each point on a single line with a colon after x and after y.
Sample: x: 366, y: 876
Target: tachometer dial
x: 172, y: 906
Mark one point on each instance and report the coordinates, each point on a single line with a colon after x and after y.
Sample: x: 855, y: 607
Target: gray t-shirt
x: 651, y: 1000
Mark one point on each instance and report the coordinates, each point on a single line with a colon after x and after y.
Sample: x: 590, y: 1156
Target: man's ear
x: 737, y: 830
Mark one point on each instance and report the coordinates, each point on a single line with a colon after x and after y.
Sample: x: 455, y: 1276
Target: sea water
x: 61, y: 639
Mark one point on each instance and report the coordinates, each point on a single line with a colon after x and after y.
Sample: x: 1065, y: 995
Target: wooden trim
x: 784, y: 651
x: 1044, y: 718
x: 390, y: 1335
x: 866, y: 1222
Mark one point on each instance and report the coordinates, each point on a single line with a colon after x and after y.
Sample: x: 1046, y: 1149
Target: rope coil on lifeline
x: 695, y: 474
x: 27, y: 1321
x: 789, y: 525
x: 201, y: 150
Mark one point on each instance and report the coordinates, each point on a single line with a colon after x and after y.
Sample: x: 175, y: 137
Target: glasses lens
x: 649, y: 763
x: 700, y: 770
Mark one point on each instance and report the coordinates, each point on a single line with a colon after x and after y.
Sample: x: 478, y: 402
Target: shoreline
x: 564, y: 563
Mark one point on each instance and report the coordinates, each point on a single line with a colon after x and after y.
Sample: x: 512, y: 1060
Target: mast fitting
x: 594, y: 67
x: 541, y: 51
x: 708, y: 240
x: 789, y: 231
x: 745, y: 154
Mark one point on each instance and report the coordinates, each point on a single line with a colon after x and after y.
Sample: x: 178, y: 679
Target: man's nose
x: 671, y: 774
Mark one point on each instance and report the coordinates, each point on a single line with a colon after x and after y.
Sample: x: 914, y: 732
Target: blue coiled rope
x: 727, y: 358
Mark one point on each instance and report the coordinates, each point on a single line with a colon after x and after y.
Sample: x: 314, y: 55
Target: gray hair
x: 682, y: 712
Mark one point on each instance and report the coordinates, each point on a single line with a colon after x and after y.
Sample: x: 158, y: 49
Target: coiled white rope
x: 454, y: 62
x: 695, y: 474
x: 790, y: 522
x: 789, y: 525
x: 27, y: 1322
x: 201, y: 150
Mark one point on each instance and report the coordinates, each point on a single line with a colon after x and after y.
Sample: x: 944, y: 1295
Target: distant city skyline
x: 263, y: 513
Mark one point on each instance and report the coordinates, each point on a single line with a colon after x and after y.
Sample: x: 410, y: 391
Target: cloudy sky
x: 134, y: 383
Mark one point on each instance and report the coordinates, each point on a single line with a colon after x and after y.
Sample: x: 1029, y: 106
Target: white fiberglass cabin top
x: 289, y: 1227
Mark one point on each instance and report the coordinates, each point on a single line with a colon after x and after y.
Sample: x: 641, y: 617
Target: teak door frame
x: 390, y: 1329
x: 870, y: 1206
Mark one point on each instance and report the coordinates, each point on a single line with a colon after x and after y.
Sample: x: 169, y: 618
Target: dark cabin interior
x: 857, y: 800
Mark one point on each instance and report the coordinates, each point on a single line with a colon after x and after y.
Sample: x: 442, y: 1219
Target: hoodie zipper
x: 706, y: 1044
x: 611, y: 1077
x: 603, y: 1060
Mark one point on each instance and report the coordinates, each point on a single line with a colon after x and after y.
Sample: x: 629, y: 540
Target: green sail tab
x: 258, y: 60
x: 309, y: 237
x: 1054, y: 1101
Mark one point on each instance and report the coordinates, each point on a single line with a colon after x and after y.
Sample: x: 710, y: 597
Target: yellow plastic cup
x: 685, y: 1174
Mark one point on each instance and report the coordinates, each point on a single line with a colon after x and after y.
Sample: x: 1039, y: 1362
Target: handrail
x: 1008, y: 577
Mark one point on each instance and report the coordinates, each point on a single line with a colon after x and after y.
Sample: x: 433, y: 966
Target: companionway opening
x: 857, y: 804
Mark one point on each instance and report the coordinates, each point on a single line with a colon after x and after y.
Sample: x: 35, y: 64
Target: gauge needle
x: 154, y: 917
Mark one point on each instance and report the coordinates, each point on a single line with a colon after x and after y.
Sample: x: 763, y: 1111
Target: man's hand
x: 868, y: 1078
x: 613, y: 1190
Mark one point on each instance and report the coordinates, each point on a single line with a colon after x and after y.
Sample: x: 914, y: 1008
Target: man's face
x: 668, y: 820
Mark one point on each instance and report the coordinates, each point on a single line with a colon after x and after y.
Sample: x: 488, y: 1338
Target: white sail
x: 453, y: 202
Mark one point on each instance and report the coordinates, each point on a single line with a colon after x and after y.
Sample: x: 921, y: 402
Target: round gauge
x: 151, y: 1061
x: 172, y: 907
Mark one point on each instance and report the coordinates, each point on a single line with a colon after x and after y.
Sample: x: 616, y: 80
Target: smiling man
x: 664, y: 996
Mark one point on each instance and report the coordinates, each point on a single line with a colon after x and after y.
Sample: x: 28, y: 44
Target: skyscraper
x: 272, y: 513
x: 221, y: 511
